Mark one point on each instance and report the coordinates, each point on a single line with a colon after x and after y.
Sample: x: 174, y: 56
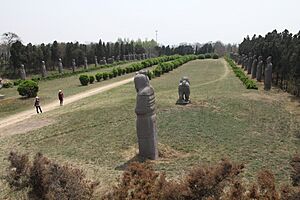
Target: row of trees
x: 14, y: 53
x: 284, y: 48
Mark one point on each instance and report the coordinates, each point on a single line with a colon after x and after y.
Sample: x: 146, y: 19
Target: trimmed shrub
x: 114, y: 72
x: 123, y: 71
x: 105, y: 75
x: 201, y: 57
x: 111, y: 75
x: 8, y: 85
x: 99, y: 76
x: 84, y: 79
x: 120, y: 71
x: 207, y: 55
x: 92, y: 79
x: 28, y: 88
x: 215, y: 56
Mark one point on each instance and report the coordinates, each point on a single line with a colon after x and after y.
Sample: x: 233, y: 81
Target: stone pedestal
x: 146, y: 118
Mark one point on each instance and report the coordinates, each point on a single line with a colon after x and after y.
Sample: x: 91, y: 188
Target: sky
x: 177, y: 21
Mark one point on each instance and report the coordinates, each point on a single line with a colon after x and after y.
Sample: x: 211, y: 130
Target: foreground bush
x: 215, y: 56
x: 46, y: 179
x: 84, y: 79
x: 92, y: 79
x: 28, y: 88
x: 99, y: 76
x: 8, y: 84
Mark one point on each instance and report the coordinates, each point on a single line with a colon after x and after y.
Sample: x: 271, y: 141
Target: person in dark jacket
x: 61, y: 97
x: 37, y: 105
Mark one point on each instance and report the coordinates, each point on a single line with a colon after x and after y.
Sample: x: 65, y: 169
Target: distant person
x: 61, y: 97
x: 37, y: 105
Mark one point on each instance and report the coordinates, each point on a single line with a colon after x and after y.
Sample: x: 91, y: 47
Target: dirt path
x: 7, y: 124
x: 224, y: 75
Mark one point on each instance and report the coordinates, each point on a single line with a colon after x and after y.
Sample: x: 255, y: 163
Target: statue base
x: 2, y: 96
x: 183, y: 102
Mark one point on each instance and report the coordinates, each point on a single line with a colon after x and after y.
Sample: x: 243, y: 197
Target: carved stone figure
x: 259, y: 69
x: 104, y: 61
x: 44, y: 70
x: 268, y: 74
x: 96, y: 61
x: 85, y: 63
x: 73, y: 65
x: 60, y: 66
x: 250, y: 61
x: 246, y: 63
x: 22, y: 72
x: 184, y: 91
x: 146, y: 117
x: 254, y: 67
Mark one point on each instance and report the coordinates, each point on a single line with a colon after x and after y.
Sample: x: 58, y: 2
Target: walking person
x: 61, y: 97
x: 37, y: 105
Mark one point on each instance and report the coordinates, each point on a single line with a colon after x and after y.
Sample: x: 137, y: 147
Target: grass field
x: 224, y: 120
x: 48, y: 90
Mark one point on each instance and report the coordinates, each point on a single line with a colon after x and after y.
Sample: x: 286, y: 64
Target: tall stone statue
x: 104, y: 61
x: 96, y: 61
x: 254, y: 67
x: 259, y: 69
x: 146, y: 117
x: 73, y: 65
x: 22, y: 72
x: 44, y: 70
x: 184, y: 91
x: 60, y: 66
x: 85, y: 63
x: 250, y: 61
x: 246, y: 63
x: 268, y: 74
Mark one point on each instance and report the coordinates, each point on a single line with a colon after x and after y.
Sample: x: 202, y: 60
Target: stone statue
x: 268, y: 74
x: 44, y: 70
x: 259, y: 68
x: 104, y: 61
x: 184, y: 91
x: 85, y: 63
x: 73, y: 65
x: 60, y: 66
x: 96, y: 61
x: 249, y: 65
x: 246, y: 63
x: 146, y: 117
x: 22, y: 72
x: 254, y: 67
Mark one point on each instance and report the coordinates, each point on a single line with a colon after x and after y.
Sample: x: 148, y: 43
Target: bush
x: 201, y: 57
x: 8, y: 85
x: 114, y: 72
x: 28, y: 88
x: 215, y: 56
x: 120, y: 71
x: 46, y: 179
x: 207, y: 55
x: 17, y: 82
x: 99, y: 76
x: 105, y: 75
x: 84, y: 79
x: 111, y: 75
x: 92, y: 79
x: 295, y: 163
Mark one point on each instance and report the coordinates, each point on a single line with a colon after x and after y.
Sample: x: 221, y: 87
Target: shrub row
x: 208, y: 56
x: 169, y: 66
x: 85, y: 79
x: 250, y: 84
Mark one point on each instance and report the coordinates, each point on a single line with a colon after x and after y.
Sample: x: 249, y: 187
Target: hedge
x: 250, y: 84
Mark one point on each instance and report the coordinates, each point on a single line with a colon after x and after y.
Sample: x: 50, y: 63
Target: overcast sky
x: 177, y: 21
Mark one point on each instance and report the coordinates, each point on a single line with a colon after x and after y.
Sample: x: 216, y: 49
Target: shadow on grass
x: 136, y: 158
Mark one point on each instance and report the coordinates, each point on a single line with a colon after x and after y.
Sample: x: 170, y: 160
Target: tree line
x: 32, y: 55
x: 284, y: 48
